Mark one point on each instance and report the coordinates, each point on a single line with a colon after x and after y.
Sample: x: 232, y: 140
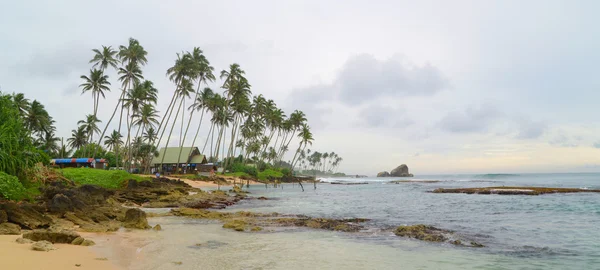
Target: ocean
x: 552, y: 231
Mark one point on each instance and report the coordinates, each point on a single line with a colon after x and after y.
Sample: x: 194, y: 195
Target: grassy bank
x: 107, y: 179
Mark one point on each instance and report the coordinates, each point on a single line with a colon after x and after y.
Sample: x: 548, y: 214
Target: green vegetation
x: 239, y: 167
x: 242, y: 175
x: 11, y: 188
x: 107, y: 179
x: 269, y: 174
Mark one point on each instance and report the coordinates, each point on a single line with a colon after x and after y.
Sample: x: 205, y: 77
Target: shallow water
x: 553, y: 231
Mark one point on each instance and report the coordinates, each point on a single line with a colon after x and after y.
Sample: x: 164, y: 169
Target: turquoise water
x: 554, y: 231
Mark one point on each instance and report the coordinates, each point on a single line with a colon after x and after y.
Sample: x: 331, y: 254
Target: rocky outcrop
x: 400, y: 171
x: 22, y: 240
x: 60, y: 204
x: 3, y: 216
x: 52, y: 236
x: 9, y: 229
x: 422, y: 232
x: 136, y: 219
x: 27, y: 216
x: 42, y: 246
x: 383, y: 174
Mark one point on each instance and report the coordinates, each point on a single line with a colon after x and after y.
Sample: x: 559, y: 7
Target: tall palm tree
x: 104, y: 58
x: 136, y: 98
x: 113, y: 140
x: 149, y: 135
x: 37, y: 119
x: 297, y: 120
x: 96, y: 83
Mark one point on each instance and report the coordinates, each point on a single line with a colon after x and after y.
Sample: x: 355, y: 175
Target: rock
x: 401, y: 171
x: 383, y: 174
x: 262, y: 198
x: 42, y: 246
x: 53, y: 236
x: 3, y: 216
x: 157, y: 227
x: 22, y: 240
x: 475, y: 244
x: 26, y: 215
x: 60, y: 204
x: 135, y: 219
x: 77, y: 241
x: 9, y: 229
x: 88, y: 243
x: 422, y: 232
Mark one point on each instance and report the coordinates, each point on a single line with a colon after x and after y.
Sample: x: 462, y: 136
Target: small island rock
x: 383, y: 174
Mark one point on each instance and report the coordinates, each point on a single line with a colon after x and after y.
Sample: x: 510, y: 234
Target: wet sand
x: 20, y: 256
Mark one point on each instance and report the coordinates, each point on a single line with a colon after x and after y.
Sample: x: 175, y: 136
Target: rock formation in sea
x: 400, y: 171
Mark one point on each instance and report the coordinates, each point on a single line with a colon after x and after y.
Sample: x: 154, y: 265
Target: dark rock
x: 9, y: 229
x: 3, y: 216
x: 262, y: 198
x: 53, y: 236
x: 77, y: 241
x: 22, y: 240
x: 475, y: 244
x: 42, y: 246
x: 88, y: 243
x: 135, y: 219
x: 157, y: 227
x: 422, y: 232
x: 60, y: 204
x: 26, y: 215
x: 383, y: 174
x: 401, y: 171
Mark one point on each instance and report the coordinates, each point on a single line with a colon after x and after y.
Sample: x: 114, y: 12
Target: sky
x: 442, y: 86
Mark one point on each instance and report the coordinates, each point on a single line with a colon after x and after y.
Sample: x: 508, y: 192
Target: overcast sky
x: 443, y: 86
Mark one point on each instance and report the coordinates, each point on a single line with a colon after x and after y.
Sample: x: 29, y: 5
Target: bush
x: 103, y: 178
x: 11, y: 188
x: 286, y: 172
x: 269, y: 174
x: 240, y: 167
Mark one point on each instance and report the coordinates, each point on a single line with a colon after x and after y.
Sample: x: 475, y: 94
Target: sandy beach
x: 20, y: 256
x: 205, y: 184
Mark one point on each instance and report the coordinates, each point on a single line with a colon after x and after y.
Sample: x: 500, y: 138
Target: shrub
x: 269, y: 174
x: 103, y: 178
x: 240, y: 167
x: 11, y: 188
x: 286, y: 172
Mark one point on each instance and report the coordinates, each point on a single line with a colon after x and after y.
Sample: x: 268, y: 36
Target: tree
x: 113, y: 141
x: 96, y: 83
x: 90, y: 124
x: 21, y: 103
x: 104, y: 58
x: 306, y: 138
x: 78, y: 138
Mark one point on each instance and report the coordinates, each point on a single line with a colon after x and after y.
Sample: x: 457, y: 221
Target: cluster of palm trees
x: 241, y: 125
x: 319, y: 163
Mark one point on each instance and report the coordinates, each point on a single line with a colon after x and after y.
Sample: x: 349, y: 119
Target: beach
x: 66, y: 256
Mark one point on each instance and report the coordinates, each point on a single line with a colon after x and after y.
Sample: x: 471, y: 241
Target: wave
x: 496, y: 175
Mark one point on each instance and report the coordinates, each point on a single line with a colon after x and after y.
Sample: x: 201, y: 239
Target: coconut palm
x: 113, y: 140
x: 22, y: 104
x: 149, y: 135
x: 90, y: 124
x: 204, y: 73
x: 78, y: 138
x: 104, y: 58
x: 297, y: 120
x: 96, y: 83
x: 37, y: 119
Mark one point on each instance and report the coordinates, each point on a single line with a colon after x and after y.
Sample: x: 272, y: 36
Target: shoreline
x: 66, y: 256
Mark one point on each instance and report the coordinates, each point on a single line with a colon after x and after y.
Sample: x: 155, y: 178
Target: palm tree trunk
x: 229, y: 152
x: 106, y: 127
x: 197, y: 131
x: 171, y: 132
x: 207, y: 136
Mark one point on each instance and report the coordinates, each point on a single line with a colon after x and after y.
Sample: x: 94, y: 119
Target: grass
x: 103, y: 178
x: 269, y: 174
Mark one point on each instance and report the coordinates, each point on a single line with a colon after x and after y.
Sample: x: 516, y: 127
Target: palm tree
x: 90, y: 124
x: 297, y: 120
x: 78, y: 138
x: 22, y: 104
x: 142, y: 94
x: 204, y: 73
x: 113, y: 140
x: 37, y: 119
x: 104, y: 58
x: 149, y: 135
x: 49, y: 143
x: 131, y: 57
x: 96, y: 83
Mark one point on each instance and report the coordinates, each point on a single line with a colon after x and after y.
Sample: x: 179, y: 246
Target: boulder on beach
x: 383, y: 174
x: 9, y: 229
x: 60, y: 204
x: 42, y: 246
x: 27, y: 216
x: 53, y: 236
x: 136, y: 219
x: 401, y: 171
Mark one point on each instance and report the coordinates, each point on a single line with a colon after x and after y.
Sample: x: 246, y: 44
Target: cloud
x: 562, y: 140
x: 376, y: 115
x: 364, y: 78
x: 597, y: 145
x: 529, y: 129
x: 57, y: 63
x: 71, y: 90
x: 472, y: 119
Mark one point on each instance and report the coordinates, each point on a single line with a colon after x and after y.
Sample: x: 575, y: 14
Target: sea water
x: 551, y: 231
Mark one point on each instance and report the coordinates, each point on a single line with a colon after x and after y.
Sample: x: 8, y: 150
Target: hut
x: 189, y: 160
x: 98, y: 163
